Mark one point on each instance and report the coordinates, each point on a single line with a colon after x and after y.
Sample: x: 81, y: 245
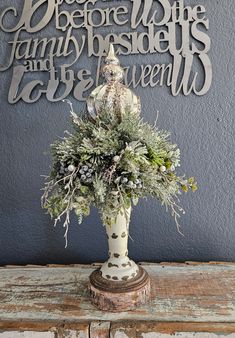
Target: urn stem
x: 119, y: 267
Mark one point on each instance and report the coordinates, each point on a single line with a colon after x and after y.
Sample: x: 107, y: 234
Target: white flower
x: 116, y: 159
x: 130, y: 184
x: 115, y: 193
x: 124, y: 180
x: 162, y: 168
x: 71, y: 167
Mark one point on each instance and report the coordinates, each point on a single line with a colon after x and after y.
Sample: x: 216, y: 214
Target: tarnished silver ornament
x: 113, y: 95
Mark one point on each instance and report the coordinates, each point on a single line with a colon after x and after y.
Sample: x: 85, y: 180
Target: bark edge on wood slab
x: 116, y: 296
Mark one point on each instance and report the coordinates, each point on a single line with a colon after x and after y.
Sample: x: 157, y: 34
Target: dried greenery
x: 110, y: 164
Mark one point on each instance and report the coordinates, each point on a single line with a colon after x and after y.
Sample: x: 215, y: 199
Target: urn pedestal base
x: 118, y: 296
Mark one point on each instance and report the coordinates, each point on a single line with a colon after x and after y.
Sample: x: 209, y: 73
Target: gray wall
x: 204, y: 129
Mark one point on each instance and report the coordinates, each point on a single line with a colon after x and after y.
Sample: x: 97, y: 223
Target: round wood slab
x: 117, y: 296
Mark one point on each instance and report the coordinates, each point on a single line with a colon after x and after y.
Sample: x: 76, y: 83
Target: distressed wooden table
x: 188, y: 300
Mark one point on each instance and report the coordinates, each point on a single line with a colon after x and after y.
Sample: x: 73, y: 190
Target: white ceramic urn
x: 119, y: 267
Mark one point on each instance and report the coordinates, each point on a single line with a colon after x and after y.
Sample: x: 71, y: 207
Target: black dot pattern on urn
x: 110, y: 265
x: 114, y: 236
x: 108, y: 277
x: 126, y: 264
x: 115, y: 278
x: 123, y: 235
x: 116, y: 255
x: 125, y: 278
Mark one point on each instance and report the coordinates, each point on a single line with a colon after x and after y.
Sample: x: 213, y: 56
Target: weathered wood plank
x: 44, y: 330
x: 123, y: 334
x: 99, y: 330
x: 72, y: 334
x: 27, y: 334
x: 137, y: 329
x: 140, y: 326
x: 120, y: 333
x: 42, y: 326
x: 185, y: 293
x: 73, y: 331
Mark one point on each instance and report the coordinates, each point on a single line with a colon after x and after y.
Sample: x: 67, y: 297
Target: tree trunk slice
x: 118, y: 296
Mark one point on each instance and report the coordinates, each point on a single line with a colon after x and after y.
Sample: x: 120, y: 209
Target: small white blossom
x: 162, y: 168
x: 71, y: 167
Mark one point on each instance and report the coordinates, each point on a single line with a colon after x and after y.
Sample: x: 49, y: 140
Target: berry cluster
x: 132, y: 184
x: 86, y: 172
x: 63, y: 170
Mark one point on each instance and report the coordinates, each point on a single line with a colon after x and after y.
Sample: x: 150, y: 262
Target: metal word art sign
x: 134, y: 27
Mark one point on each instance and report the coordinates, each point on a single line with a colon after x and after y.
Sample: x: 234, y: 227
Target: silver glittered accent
x: 113, y: 95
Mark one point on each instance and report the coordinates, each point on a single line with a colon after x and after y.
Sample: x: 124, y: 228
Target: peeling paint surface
x: 28, y: 334
x: 100, y: 330
x: 185, y: 335
x: 74, y: 334
x: 183, y: 292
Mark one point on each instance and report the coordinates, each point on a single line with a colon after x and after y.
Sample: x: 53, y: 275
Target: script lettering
x: 134, y: 27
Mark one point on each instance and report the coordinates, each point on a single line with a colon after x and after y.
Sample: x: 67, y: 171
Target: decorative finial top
x: 112, y: 71
x: 111, y: 57
x: 113, y: 95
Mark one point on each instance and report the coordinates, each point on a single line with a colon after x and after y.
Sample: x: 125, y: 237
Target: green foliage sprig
x: 110, y: 164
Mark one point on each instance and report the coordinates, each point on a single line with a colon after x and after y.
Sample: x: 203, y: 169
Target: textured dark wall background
x: 204, y: 129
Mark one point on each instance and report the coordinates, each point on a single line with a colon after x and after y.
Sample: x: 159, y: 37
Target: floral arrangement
x: 110, y: 163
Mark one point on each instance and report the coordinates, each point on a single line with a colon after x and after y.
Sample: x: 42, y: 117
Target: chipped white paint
x: 185, y: 335
x: 75, y: 334
x: 180, y: 293
x: 27, y: 334
x: 118, y: 334
x: 99, y: 330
